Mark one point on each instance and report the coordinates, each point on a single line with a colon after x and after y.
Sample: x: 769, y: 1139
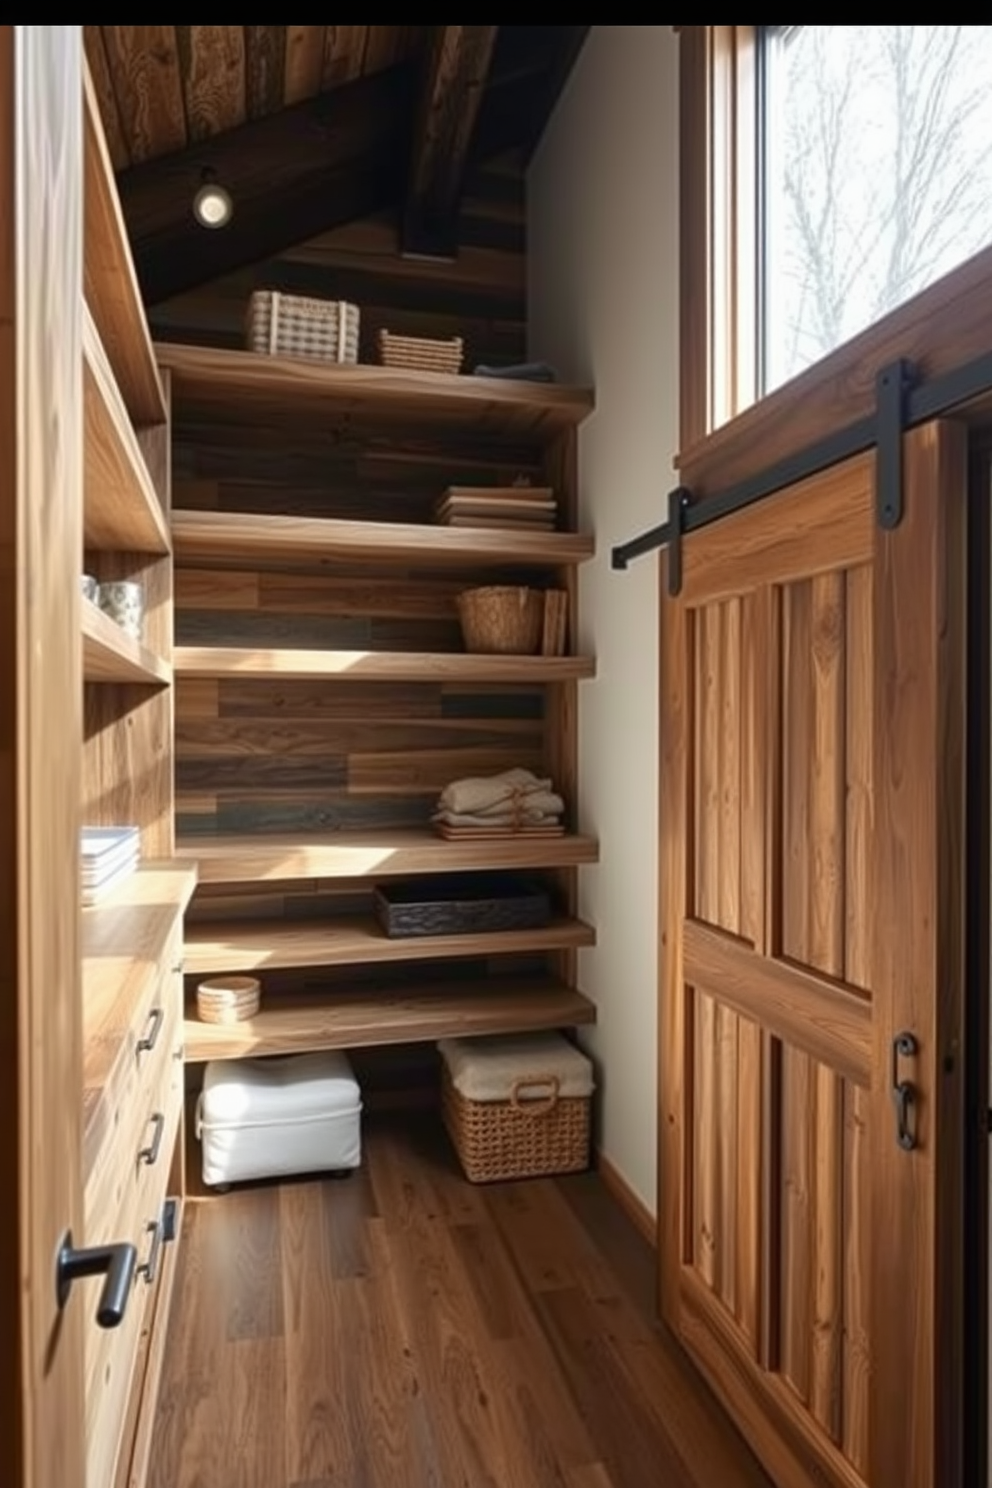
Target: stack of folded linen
x: 515, y: 803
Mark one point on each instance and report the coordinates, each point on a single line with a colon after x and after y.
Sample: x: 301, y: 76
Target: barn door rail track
x: 901, y: 402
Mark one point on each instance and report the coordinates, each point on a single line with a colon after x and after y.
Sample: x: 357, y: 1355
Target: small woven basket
x: 229, y: 999
x: 295, y: 326
x: 517, y: 1138
x: 417, y: 353
x: 502, y: 618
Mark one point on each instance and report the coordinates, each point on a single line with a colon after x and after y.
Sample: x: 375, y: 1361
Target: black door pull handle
x: 114, y: 1262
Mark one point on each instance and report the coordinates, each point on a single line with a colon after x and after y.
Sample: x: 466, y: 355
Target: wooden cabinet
x: 132, y: 1013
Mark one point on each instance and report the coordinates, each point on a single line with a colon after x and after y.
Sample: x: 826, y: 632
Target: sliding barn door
x: 812, y: 929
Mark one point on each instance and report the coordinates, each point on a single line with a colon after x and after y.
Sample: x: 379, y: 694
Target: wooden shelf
x: 229, y: 537
x: 377, y: 666
x: 111, y: 283
x: 254, y: 857
x: 111, y: 655
x: 123, y: 941
x: 323, y: 1020
x: 243, y: 387
x: 240, y: 945
x: 121, y: 509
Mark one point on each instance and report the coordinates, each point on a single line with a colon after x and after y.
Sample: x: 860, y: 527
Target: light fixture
x: 212, y: 205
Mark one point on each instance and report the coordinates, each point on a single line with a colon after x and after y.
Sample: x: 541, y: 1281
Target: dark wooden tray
x: 462, y: 904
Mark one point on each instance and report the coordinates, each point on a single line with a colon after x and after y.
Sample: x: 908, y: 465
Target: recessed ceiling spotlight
x: 212, y: 204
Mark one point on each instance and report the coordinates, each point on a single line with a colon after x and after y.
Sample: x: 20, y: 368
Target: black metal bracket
x: 892, y: 389
x: 678, y: 505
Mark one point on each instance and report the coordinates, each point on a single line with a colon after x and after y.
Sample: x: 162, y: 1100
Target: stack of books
x: 528, y: 508
x: 109, y: 856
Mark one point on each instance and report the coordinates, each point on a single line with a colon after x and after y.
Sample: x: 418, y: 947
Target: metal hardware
x: 891, y: 391
x: 114, y: 1262
x: 177, y: 967
x: 918, y: 404
x: 155, y: 1020
x: 170, y: 1219
x: 149, y: 1269
x: 904, y: 1046
x: 678, y: 505
x: 150, y: 1153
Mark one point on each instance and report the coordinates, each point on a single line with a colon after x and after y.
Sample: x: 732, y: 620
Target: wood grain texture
x: 212, y: 67
x: 145, y: 67
x: 250, y: 858
x: 936, y: 331
x: 917, y: 867
x: 325, y: 1020
x: 123, y: 943
x: 344, y: 53
x: 102, y: 83
x: 41, y: 267
x: 227, y: 536
x: 304, y: 62
x: 121, y: 506
x: 833, y: 1023
x: 213, y: 946
x: 265, y: 69
x: 111, y: 285
x: 111, y: 655
x: 253, y: 388
x: 818, y: 526
x: 827, y: 657
x: 422, y: 1343
x: 385, y: 666
x: 451, y: 93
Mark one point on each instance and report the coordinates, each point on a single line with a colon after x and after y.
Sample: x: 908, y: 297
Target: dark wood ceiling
x: 311, y: 127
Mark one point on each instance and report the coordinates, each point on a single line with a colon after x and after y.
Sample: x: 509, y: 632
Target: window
x: 876, y: 145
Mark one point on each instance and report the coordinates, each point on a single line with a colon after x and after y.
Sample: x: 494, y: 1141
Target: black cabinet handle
x: 149, y: 1269
x: 115, y: 1262
x: 155, y: 1020
x: 150, y: 1153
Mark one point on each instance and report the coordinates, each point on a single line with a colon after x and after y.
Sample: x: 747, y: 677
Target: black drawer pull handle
x: 150, y: 1153
x: 155, y: 1020
x: 115, y: 1262
x: 149, y: 1269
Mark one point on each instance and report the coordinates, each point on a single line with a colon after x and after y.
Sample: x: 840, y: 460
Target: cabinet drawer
x: 137, y: 1097
x: 111, y: 1353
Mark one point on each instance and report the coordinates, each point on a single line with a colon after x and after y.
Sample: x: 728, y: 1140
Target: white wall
x: 603, y: 284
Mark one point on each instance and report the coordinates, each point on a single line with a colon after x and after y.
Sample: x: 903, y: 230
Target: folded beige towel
x: 479, y: 795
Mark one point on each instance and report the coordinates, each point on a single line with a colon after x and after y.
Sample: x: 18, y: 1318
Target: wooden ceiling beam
x: 292, y: 175
x: 454, y: 81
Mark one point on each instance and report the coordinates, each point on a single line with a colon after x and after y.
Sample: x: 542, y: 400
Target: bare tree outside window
x: 878, y: 176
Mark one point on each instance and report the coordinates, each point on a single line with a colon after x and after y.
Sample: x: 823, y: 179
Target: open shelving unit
x: 394, y: 1015
x: 320, y: 675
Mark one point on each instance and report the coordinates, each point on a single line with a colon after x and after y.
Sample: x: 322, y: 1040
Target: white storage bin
x: 263, y: 1118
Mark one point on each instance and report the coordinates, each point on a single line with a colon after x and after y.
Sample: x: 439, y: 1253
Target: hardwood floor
x: 403, y: 1329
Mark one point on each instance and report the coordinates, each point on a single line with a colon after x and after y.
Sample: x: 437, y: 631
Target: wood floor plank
x: 434, y: 1335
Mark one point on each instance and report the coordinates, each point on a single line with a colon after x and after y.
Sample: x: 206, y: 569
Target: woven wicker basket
x: 294, y: 326
x: 502, y: 618
x: 228, y: 999
x: 419, y: 354
x: 517, y: 1138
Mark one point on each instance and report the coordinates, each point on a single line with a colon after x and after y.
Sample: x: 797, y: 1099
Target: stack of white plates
x: 109, y: 855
